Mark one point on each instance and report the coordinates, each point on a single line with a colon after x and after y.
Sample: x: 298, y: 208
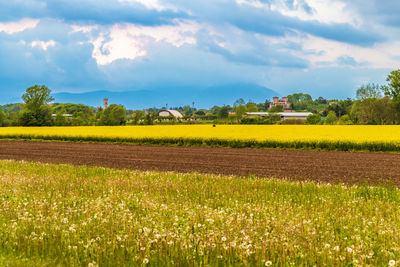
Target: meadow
x: 81, y: 216
x: 325, y: 137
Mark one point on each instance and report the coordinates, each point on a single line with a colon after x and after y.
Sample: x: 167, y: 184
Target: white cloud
x: 253, y: 3
x: 128, y: 41
x: 43, y: 45
x: 322, y: 52
x: 84, y: 29
x: 121, y: 46
x: 150, y: 4
x: 325, y: 11
x: 18, y: 26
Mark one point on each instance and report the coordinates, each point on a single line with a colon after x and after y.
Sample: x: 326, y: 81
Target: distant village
x: 373, y: 105
x: 286, y: 114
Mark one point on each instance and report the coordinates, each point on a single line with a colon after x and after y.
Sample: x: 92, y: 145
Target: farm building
x: 167, y: 113
x: 284, y: 115
x: 64, y: 115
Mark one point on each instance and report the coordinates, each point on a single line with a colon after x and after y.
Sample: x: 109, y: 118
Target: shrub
x: 313, y: 119
x: 292, y: 121
x: 331, y: 118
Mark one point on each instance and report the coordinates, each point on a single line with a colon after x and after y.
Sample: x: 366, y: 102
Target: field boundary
x: 217, y: 142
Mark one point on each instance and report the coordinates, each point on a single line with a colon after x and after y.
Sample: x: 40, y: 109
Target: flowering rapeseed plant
x: 331, y: 137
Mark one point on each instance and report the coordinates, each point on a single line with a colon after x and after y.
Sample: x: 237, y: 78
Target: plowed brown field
x: 323, y: 166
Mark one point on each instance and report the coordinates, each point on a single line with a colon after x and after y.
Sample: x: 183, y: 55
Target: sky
x: 322, y: 47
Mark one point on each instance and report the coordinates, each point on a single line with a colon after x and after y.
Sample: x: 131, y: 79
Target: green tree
x: 313, y: 119
x: 223, y: 112
x: 272, y: 118
x: 331, y: 118
x: 81, y: 114
x: 369, y: 91
x: 35, y: 112
x: 298, y: 97
x: 239, y: 102
x: 60, y: 119
x: 113, y: 115
x: 40, y: 117
x: 12, y: 119
x: 240, y: 111
x: 276, y: 109
x: 214, y: 110
x: 340, y: 108
x: 251, y: 107
x: 393, y: 88
x: 2, y: 118
x: 321, y: 100
x: 345, y: 120
x: 374, y: 111
x: 200, y: 113
x: 36, y: 96
x: 149, y: 119
x: 137, y: 116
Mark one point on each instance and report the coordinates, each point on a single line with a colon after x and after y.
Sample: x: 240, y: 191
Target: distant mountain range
x: 174, y: 97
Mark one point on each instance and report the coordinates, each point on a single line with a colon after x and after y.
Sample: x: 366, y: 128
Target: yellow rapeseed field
x: 283, y: 133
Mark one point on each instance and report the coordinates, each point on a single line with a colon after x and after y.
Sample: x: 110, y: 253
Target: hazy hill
x: 11, y: 108
x: 204, y: 98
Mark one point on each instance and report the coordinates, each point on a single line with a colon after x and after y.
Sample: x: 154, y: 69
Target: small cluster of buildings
x: 287, y: 114
x: 284, y: 102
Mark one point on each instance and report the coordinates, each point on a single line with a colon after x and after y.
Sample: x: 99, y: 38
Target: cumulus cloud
x: 151, y: 4
x: 115, y: 44
x: 129, y: 41
x: 18, y: 26
x: 43, y: 45
x: 321, y: 52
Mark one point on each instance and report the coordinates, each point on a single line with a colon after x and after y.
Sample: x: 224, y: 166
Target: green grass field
x: 79, y: 216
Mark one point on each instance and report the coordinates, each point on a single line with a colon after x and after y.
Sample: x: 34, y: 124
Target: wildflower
x: 349, y: 250
x: 223, y: 239
x: 145, y: 260
x: 336, y: 248
x: 268, y: 263
x: 392, y: 263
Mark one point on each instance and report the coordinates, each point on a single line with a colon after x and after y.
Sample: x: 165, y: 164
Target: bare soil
x: 321, y: 166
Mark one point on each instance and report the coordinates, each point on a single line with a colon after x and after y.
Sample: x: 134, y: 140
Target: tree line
x: 36, y: 111
x: 374, y: 104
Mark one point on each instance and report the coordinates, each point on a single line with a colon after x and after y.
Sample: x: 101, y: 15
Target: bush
x: 345, y: 120
x: 206, y: 117
x: 113, y: 115
x: 313, y: 119
x: 292, y: 121
x: 331, y: 118
x: 2, y: 118
x: 41, y: 117
x: 252, y: 120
